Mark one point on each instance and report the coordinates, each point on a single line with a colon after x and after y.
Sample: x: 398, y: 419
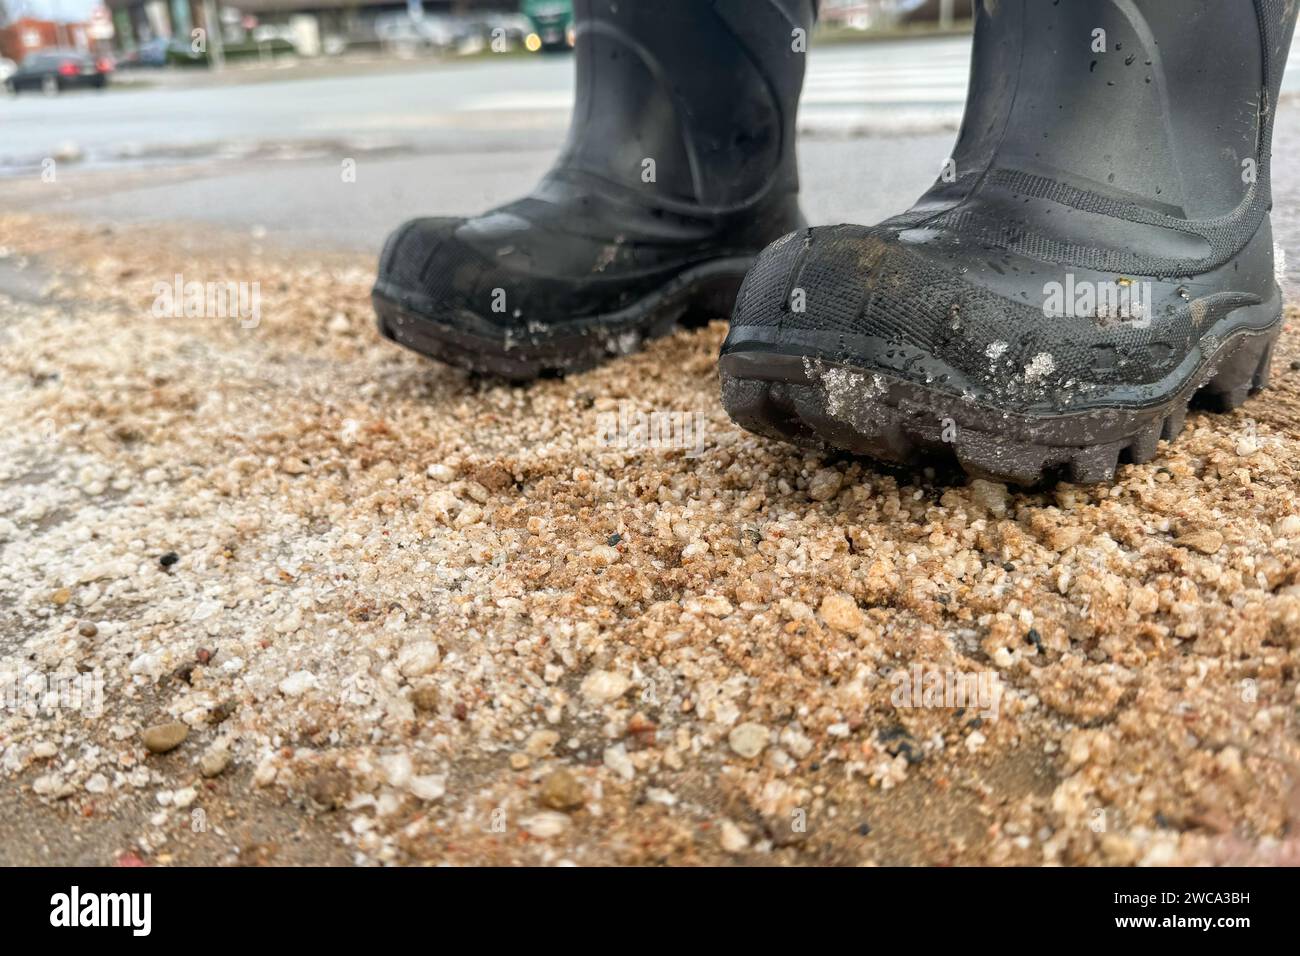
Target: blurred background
x: 323, y: 123
x: 158, y: 33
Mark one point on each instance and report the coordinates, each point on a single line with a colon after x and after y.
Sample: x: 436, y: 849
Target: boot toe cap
x: 500, y: 275
x: 870, y: 298
x: 423, y: 264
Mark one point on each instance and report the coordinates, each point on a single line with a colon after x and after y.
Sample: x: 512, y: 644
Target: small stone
x: 825, y: 484
x: 184, y: 797
x: 469, y: 516
x: 748, y: 740
x: 716, y: 605
x: 294, y: 466
x: 87, y: 629
x: 1247, y: 447
x: 61, y: 597
x: 47, y: 785
x: 477, y: 492
x: 732, y: 838
x: 561, y: 791
x: 1144, y: 600
x: 297, y: 683
x: 1208, y: 541
x: 440, y: 472
x: 546, y: 824
x: 519, y: 761
x: 796, y: 742
x: 418, y: 658
x: 616, y: 759
x: 97, y: 784
x: 428, y: 787
x: 990, y: 495
x: 397, y: 768
x: 168, y: 559
x: 601, y: 687
x: 161, y: 738
x: 265, y: 771
x: 214, y: 762
x: 695, y: 549
x: 1062, y: 539
x: 1229, y: 761
x: 841, y: 613
x: 541, y: 743
x: 425, y: 698
x: 1288, y: 527
x: 602, y: 555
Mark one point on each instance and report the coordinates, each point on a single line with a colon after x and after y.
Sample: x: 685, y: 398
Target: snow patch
x: 1041, y: 366
x: 845, y: 389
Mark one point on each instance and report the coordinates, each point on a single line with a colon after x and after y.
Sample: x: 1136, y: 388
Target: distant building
x: 871, y: 14
x: 29, y: 35
x: 138, y: 21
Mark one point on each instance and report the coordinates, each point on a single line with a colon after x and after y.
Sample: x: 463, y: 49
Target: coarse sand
x: 325, y: 601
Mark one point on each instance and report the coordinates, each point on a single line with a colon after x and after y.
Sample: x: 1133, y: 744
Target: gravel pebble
x: 545, y: 825
x: 731, y: 838
x: 161, y: 738
x: 541, y: 743
x: 825, y: 484
x: 298, y: 683
x: 214, y: 762
x: 601, y: 687
x: 990, y: 495
x: 425, y: 698
x: 842, y: 613
x: 561, y: 791
x: 748, y: 740
x: 1207, y: 541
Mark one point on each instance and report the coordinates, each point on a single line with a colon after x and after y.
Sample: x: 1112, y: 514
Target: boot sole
x: 816, y: 403
x: 468, y: 341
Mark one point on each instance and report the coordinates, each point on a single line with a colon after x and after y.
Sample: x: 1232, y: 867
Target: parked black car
x: 52, y: 71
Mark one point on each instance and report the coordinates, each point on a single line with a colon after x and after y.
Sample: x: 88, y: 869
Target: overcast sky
x: 46, y: 9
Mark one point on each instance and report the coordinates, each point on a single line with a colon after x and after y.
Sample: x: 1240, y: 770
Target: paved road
x: 488, y: 102
x: 883, y: 87
x: 452, y: 139
x: 877, y: 120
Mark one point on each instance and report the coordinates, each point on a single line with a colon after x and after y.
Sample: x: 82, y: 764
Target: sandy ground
x: 407, y: 616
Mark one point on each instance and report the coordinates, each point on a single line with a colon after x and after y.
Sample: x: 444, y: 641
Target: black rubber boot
x: 679, y: 169
x: 1099, y: 255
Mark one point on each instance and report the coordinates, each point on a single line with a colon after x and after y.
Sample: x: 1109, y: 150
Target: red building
x: 29, y: 35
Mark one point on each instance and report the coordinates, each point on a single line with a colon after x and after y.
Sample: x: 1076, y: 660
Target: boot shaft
x: 1165, y: 105
x: 689, y: 102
